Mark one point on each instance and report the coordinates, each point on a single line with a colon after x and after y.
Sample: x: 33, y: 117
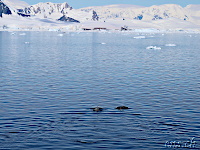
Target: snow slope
x: 17, y: 23
x: 16, y: 4
x: 194, y: 12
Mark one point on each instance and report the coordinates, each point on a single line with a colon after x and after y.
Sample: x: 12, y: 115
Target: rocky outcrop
x: 4, y: 9
x: 23, y: 15
x: 68, y: 19
x: 95, y: 16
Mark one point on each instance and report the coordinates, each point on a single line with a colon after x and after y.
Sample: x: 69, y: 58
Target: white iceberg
x: 153, y: 47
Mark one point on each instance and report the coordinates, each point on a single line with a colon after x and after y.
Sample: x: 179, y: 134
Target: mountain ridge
x: 58, y: 10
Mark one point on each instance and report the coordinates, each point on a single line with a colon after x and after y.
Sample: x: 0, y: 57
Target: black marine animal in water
x: 97, y: 109
x: 122, y: 107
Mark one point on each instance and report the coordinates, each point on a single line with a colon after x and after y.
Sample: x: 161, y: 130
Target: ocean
x: 49, y: 81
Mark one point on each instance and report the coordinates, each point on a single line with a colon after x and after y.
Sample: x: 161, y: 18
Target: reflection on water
x: 48, y: 83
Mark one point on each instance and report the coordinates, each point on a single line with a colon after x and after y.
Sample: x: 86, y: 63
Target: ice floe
x: 22, y: 34
x: 170, y: 44
x: 153, y: 47
x: 139, y: 37
x: 60, y: 34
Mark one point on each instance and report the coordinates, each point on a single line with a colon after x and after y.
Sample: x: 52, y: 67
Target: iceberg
x: 153, y: 47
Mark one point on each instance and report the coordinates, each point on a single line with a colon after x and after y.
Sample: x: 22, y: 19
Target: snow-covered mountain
x: 131, y: 12
x: 14, y: 6
x: 48, y: 10
x: 17, y: 15
x: 56, y: 11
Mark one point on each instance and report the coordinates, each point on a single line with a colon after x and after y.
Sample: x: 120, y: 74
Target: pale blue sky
x: 85, y: 3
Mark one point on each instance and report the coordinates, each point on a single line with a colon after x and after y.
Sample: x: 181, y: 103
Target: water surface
x: 49, y: 81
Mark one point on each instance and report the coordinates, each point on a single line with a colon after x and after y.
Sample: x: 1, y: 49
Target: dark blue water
x: 48, y: 83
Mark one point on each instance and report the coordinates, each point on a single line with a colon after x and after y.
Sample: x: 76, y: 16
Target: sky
x: 86, y: 3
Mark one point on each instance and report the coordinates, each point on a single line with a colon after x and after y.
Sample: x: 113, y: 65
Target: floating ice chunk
x: 22, y: 34
x: 170, y: 44
x: 139, y: 37
x: 13, y: 33
x: 153, y: 47
x: 60, y: 34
